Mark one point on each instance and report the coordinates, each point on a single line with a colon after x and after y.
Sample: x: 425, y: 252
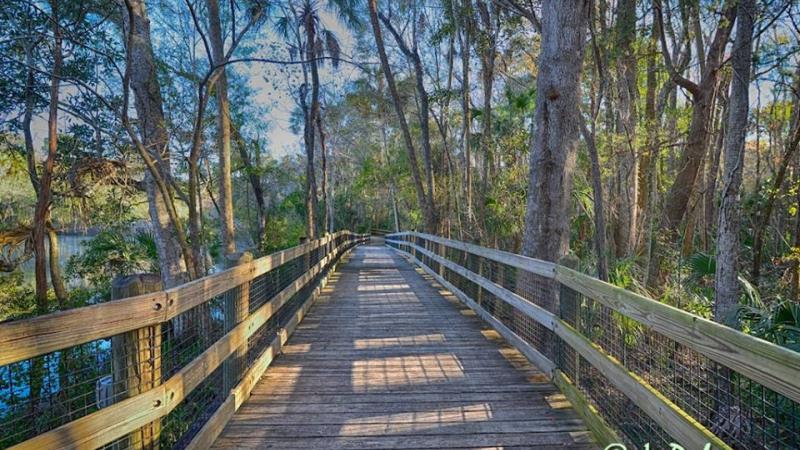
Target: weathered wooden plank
x: 680, y: 425
x: 24, y: 339
x: 764, y: 362
x: 241, y: 392
x: 360, y: 370
x: 570, y: 439
x: 537, y: 266
x: 383, y: 414
x: 444, y: 427
x: 398, y: 410
x: 119, y: 419
x: 604, y: 432
x: 536, y: 357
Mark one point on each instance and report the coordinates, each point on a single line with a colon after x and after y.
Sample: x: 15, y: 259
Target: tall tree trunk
x: 466, y: 106
x: 310, y: 126
x: 223, y: 131
x: 726, y: 285
x: 703, y: 95
x: 428, y: 212
x: 149, y: 106
x: 490, y: 26
x: 423, y: 109
x: 324, y: 160
x: 709, y: 194
x: 555, y: 134
x: 255, y: 182
x: 650, y: 150
x: 42, y: 212
x: 599, y: 209
x: 627, y: 89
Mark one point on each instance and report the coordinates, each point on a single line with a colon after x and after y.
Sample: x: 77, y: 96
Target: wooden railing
x: 638, y: 371
x: 159, y: 370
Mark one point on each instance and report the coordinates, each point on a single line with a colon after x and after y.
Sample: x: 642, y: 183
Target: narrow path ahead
x: 386, y: 359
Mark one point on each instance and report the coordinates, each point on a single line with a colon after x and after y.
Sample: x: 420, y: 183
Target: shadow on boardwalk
x: 387, y: 359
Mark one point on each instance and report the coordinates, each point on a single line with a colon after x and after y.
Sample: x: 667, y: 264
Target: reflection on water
x: 69, y: 244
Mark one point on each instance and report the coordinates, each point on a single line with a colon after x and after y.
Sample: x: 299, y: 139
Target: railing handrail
x: 709, y: 338
x: 27, y: 338
x: 122, y: 417
x: 766, y: 363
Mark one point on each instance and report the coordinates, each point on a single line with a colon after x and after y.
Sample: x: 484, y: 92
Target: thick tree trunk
x: 55, y: 270
x: 726, y: 285
x: 555, y: 135
x: 429, y: 214
x: 149, y: 107
x: 223, y: 131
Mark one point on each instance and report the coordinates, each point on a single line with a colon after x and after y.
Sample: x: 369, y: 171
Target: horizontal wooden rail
x: 121, y: 418
x: 680, y: 424
x: 25, y: 339
x: 770, y: 365
x: 532, y: 265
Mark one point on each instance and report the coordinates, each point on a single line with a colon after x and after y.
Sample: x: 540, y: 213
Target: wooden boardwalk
x: 387, y: 359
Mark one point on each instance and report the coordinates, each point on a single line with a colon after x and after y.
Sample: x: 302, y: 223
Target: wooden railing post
x: 136, y: 357
x: 237, y: 308
x: 306, y: 256
x: 569, y: 302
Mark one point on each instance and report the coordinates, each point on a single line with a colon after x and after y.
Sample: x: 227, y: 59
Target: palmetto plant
x: 778, y: 322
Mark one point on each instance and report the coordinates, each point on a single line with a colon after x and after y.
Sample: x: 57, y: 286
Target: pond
x: 69, y: 244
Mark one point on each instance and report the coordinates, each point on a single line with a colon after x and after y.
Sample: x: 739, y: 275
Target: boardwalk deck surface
x: 387, y: 359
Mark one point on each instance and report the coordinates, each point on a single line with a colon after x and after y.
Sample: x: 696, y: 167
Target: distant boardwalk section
x: 385, y: 359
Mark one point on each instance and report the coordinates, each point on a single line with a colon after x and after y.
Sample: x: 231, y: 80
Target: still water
x: 69, y: 244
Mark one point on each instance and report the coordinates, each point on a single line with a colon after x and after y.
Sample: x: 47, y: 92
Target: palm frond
x: 332, y: 46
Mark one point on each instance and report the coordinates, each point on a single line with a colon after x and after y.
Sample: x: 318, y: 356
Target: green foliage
x: 702, y: 266
x: 286, y: 224
x: 778, y: 323
x: 113, y: 253
x: 16, y: 296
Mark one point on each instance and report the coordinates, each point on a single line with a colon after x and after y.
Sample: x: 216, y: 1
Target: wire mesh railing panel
x: 531, y: 287
x: 741, y: 412
x: 44, y: 392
